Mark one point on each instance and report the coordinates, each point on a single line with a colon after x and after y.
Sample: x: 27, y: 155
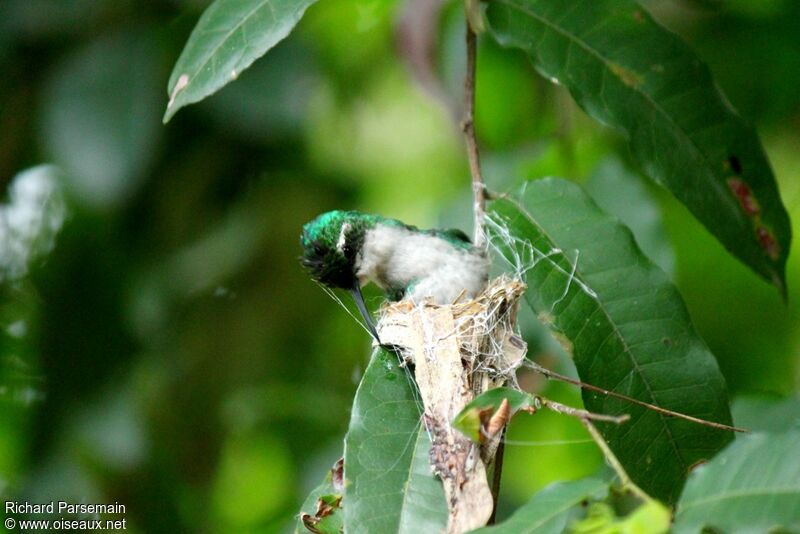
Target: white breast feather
x: 394, y: 257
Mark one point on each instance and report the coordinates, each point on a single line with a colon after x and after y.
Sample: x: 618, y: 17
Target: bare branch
x: 582, y: 414
x: 612, y: 460
x: 552, y: 374
x: 468, y: 126
x: 496, y: 475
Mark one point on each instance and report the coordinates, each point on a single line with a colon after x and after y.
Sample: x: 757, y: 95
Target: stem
x: 496, y: 474
x: 468, y: 126
x: 583, y: 415
x: 552, y: 374
x: 624, y: 479
x: 478, y: 206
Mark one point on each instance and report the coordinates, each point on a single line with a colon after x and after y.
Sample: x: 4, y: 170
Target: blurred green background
x: 160, y: 345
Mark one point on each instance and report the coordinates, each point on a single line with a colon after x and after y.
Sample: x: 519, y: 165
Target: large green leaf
x: 548, y: 511
x: 621, y: 193
x: 629, y: 73
x: 627, y: 326
x: 752, y: 486
x: 389, y: 484
x: 230, y: 35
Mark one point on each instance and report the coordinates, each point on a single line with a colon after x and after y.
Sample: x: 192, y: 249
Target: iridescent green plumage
x: 334, y: 267
x: 347, y: 249
x: 327, y: 263
x: 327, y: 227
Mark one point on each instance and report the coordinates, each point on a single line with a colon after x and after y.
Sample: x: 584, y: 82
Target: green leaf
x: 629, y: 73
x: 389, y: 484
x: 548, y: 511
x: 333, y: 523
x: 621, y: 193
x: 229, y: 37
x: 651, y: 517
x: 751, y: 486
x: 468, y: 420
x: 327, y: 493
x: 627, y: 326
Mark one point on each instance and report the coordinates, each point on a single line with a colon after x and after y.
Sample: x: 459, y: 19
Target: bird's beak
x: 359, y: 298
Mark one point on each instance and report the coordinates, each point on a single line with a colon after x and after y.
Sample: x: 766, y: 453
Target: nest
x: 459, y: 351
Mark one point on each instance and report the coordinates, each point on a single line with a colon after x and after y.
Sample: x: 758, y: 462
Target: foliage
x: 636, y: 77
x: 549, y: 510
x: 160, y: 346
x: 752, y: 486
x: 391, y: 487
x: 589, y: 282
x: 230, y: 35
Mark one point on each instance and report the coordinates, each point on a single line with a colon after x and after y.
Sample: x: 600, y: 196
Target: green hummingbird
x: 349, y: 249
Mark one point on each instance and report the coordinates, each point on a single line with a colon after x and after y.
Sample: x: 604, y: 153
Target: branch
x: 552, y: 374
x: 468, y: 126
x: 479, y: 197
x: 583, y: 415
x: 625, y: 480
x: 497, y: 474
x: 586, y: 419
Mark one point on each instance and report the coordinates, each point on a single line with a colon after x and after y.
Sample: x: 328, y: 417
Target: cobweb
x: 520, y: 255
x: 486, y: 327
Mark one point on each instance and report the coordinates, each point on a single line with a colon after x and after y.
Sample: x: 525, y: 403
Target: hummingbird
x: 349, y: 249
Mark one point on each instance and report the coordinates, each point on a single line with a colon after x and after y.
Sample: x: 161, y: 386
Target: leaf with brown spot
x: 632, y: 75
x: 628, y: 77
x: 328, y: 504
x: 328, y: 524
x: 744, y: 195
x: 321, y: 512
x: 228, y: 38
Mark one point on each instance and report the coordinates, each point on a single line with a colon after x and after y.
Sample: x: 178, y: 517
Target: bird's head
x: 331, y: 244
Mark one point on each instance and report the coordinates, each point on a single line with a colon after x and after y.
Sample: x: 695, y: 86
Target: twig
x: 624, y: 479
x: 479, y: 201
x: 497, y: 474
x: 582, y: 414
x: 468, y: 126
x: 552, y: 374
x: 586, y: 419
